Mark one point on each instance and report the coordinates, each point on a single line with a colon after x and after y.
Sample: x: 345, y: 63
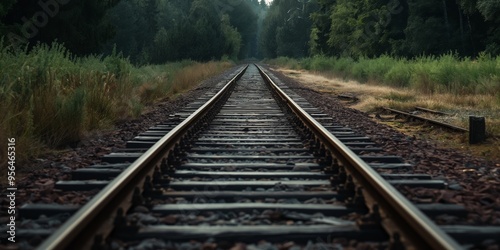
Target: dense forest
x: 146, y: 31
x: 80, y: 25
x: 159, y: 31
x: 156, y: 31
x: 371, y: 28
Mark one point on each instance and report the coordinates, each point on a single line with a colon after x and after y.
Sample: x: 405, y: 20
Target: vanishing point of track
x: 254, y: 150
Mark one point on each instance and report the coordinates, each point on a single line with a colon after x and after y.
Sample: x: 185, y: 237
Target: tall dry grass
x: 190, y: 76
x: 49, y: 98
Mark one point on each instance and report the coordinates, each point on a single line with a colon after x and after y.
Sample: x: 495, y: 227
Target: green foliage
x: 425, y: 21
x: 345, y: 29
x: 161, y: 46
x: 371, y: 28
x: 80, y: 25
x: 117, y: 64
x: 285, y: 24
x: 380, y: 67
x: 55, y: 116
x: 50, y: 98
x: 421, y: 78
x: 159, y: 31
x: 342, y: 65
x: 233, y: 38
x: 427, y: 74
x: 245, y: 16
x: 359, y: 70
x: 321, y: 63
x: 321, y: 29
x: 268, y: 43
x: 352, y: 28
x: 399, y: 75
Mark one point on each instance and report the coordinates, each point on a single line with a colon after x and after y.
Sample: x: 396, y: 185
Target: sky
x: 268, y: 1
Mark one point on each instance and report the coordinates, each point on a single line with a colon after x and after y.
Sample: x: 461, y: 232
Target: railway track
x: 427, y: 120
x: 251, y: 164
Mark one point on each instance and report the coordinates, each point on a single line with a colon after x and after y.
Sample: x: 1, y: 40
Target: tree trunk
x: 462, y: 35
x: 446, y: 22
x: 474, y: 51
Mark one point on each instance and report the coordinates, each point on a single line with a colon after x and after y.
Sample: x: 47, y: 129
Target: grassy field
x: 50, y: 99
x: 427, y: 74
x: 461, y: 87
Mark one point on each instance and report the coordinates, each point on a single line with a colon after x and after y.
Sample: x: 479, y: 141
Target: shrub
x: 322, y: 64
x: 377, y: 68
x: 117, y: 64
x: 359, y: 70
x: 342, y: 66
x: 399, y: 75
x: 421, y: 79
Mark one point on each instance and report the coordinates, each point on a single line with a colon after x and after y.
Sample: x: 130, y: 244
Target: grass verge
x: 446, y: 82
x: 50, y: 99
x: 427, y: 74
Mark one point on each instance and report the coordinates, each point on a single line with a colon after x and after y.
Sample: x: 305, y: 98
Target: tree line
x: 372, y: 28
x: 157, y: 31
x: 80, y: 24
x: 169, y: 30
x: 146, y: 31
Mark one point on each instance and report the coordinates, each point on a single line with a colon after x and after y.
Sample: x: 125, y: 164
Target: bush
x: 421, y: 78
x: 399, y: 75
x: 359, y: 70
x: 342, y: 66
x: 322, y: 64
x: 376, y: 69
x: 117, y: 64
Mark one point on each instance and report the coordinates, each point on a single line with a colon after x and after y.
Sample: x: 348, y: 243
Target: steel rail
x: 442, y: 124
x: 83, y: 221
x: 418, y: 230
x: 432, y: 111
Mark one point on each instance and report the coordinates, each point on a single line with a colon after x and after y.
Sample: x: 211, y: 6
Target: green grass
x: 400, y: 97
x: 426, y: 74
x: 50, y: 99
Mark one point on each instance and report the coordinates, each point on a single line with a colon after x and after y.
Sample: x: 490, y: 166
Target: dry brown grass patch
x: 192, y: 75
